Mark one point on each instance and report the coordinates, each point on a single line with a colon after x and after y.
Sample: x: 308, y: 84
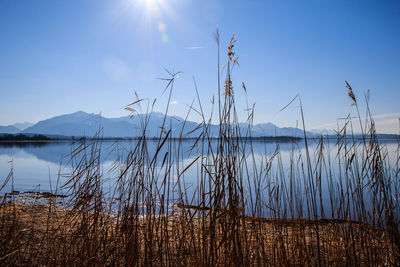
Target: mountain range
x: 85, y: 124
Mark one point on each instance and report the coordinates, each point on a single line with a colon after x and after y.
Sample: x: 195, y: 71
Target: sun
x: 152, y: 6
x: 152, y: 9
x: 154, y: 15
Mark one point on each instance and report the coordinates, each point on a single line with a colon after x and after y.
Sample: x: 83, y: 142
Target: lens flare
x: 152, y: 6
x: 153, y: 14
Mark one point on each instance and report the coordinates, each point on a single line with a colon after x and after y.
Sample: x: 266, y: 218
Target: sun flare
x: 154, y: 14
x: 152, y: 6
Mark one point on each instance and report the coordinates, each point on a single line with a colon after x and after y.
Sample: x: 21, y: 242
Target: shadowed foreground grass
x: 42, y: 234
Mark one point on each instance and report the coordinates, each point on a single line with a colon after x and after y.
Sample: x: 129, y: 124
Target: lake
x: 44, y: 166
x: 37, y: 165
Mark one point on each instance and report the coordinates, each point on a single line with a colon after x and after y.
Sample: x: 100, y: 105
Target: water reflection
x: 61, y: 151
x: 38, y: 164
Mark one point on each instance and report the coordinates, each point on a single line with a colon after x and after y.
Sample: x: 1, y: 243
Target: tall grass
x: 243, y: 209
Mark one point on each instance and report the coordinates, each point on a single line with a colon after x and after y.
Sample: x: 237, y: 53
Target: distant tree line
x: 41, y: 137
x: 23, y: 137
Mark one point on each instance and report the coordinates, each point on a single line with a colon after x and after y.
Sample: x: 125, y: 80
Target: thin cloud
x: 380, y: 119
x: 195, y: 47
x: 386, y: 115
x: 174, y: 102
x: 388, y: 122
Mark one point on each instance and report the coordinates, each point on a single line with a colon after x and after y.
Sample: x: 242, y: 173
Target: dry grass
x: 42, y: 234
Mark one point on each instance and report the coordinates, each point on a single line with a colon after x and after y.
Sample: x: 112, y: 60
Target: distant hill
x: 22, y: 125
x: 81, y: 124
x: 154, y: 121
x: 269, y: 129
x: 84, y: 124
x: 9, y: 129
x: 15, y: 128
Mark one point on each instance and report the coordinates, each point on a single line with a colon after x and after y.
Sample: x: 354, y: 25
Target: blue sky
x: 58, y: 57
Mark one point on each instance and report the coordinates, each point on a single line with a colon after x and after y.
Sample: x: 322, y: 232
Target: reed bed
x: 243, y: 211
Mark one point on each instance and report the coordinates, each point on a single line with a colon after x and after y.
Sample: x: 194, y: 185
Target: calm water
x: 43, y: 166
x: 38, y: 164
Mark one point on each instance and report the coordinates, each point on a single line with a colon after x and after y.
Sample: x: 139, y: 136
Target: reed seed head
x: 228, y: 87
x: 350, y: 93
x: 231, y: 53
